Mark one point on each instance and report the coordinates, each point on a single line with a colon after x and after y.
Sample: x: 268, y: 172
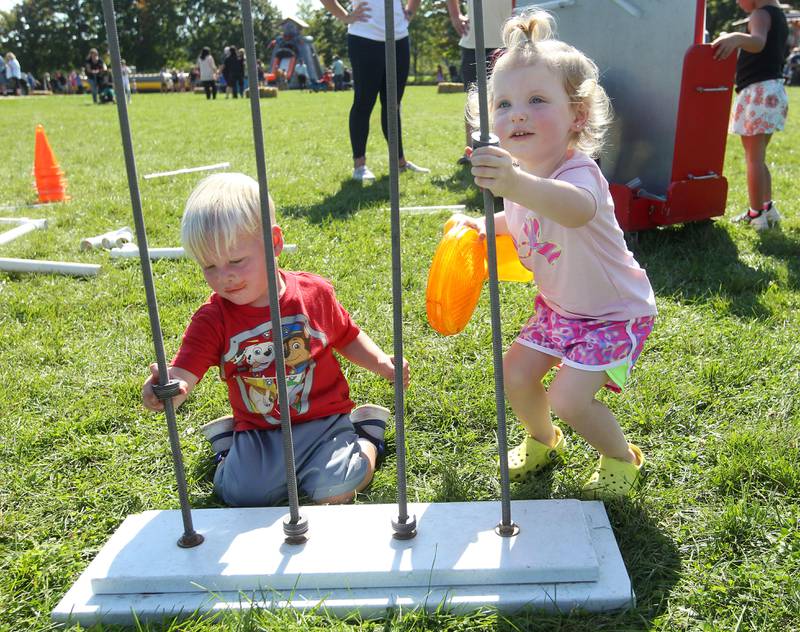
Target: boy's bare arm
x: 186, y: 381
x: 365, y: 353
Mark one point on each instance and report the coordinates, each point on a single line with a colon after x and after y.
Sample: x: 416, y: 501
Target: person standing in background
x: 94, y: 67
x: 208, y: 69
x: 338, y: 73
x: 495, y: 13
x: 366, y: 44
x: 126, y: 80
x: 761, y: 104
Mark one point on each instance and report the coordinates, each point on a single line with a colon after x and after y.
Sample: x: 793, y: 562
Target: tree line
x: 57, y: 34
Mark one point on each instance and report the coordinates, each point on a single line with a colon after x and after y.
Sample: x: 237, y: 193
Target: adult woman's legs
x: 367, y: 61
x: 403, y: 55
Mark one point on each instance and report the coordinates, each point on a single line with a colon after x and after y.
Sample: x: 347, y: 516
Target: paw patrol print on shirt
x: 530, y: 244
x: 258, y: 355
x: 253, y: 352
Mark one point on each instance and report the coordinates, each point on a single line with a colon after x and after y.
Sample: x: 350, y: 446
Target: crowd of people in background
x: 229, y: 77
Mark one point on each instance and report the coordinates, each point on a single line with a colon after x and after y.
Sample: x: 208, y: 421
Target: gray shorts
x: 328, y: 461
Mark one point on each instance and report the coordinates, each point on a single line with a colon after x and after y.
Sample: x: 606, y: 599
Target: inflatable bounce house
x: 666, y: 147
x: 289, y: 48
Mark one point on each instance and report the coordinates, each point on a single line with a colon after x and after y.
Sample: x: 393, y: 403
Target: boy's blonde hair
x: 221, y: 207
x: 529, y: 39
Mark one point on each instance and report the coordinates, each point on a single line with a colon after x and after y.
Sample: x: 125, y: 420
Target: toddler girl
x: 595, y: 306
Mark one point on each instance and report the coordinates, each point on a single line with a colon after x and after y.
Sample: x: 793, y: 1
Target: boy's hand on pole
x: 149, y: 399
x: 386, y: 369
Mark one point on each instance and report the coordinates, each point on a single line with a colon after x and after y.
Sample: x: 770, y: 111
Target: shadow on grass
x: 653, y: 564
x: 461, y: 181
x: 352, y: 196
x: 783, y: 245
x: 699, y: 262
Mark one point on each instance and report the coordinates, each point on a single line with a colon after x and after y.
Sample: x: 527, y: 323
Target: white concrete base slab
x: 565, y: 557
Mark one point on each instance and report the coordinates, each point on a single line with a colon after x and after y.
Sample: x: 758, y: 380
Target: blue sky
x: 286, y: 6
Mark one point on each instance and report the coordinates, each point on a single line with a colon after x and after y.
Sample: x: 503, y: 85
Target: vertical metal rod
x: 506, y: 527
x: 405, y: 527
x: 296, y: 526
x: 190, y: 537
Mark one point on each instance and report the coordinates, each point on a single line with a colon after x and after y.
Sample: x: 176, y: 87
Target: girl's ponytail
x: 528, y: 29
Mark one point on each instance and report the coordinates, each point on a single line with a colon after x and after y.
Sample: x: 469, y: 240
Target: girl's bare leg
x: 759, y: 179
x: 523, y: 370
x: 572, y: 396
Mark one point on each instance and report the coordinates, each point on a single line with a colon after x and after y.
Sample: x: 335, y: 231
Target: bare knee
x: 566, y: 405
x: 517, y: 377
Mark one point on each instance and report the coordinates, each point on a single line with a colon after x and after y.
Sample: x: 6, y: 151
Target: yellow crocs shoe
x: 614, y: 477
x: 532, y: 456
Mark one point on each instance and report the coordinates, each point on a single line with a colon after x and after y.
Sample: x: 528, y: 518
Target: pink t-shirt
x: 585, y: 272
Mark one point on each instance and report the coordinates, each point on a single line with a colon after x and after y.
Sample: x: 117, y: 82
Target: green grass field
x: 711, y: 541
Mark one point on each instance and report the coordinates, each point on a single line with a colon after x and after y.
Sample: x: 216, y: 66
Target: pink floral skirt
x: 760, y: 108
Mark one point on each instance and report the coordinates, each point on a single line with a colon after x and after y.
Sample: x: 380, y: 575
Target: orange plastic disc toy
x: 457, y: 274
x: 455, y: 279
x: 509, y: 267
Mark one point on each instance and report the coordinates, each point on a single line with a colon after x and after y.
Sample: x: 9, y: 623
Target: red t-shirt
x: 239, y: 340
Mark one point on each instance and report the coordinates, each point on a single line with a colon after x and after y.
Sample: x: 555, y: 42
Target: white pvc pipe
x: 129, y: 251
x: 19, y: 220
x: 25, y: 226
x: 49, y: 267
x: 432, y: 209
x: 111, y: 239
x: 12, y: 207
x: 161, y: 174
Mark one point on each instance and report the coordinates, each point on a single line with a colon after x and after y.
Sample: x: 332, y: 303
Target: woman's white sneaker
x: 410, y: 166
x: 363, y: 173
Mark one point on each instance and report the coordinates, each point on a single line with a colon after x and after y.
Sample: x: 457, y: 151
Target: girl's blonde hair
x: 529, y: 39
x: 221, y: 208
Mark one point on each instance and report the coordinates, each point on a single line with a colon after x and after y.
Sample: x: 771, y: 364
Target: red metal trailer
x: 697, y: 189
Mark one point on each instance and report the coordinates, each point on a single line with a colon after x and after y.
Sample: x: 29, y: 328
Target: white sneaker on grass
x: 362, y: 173
x: 219, y: 433
x: 410, y: 166
x: 369, y: 422
x: 762, y: 221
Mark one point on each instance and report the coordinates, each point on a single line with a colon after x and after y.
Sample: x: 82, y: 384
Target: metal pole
x: 166, y: 389
x: 405, y: 527
x: 506, y: 527
x: 296, y: 526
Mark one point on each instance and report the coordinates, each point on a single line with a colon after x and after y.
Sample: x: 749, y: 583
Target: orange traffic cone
x: 50, y: 181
